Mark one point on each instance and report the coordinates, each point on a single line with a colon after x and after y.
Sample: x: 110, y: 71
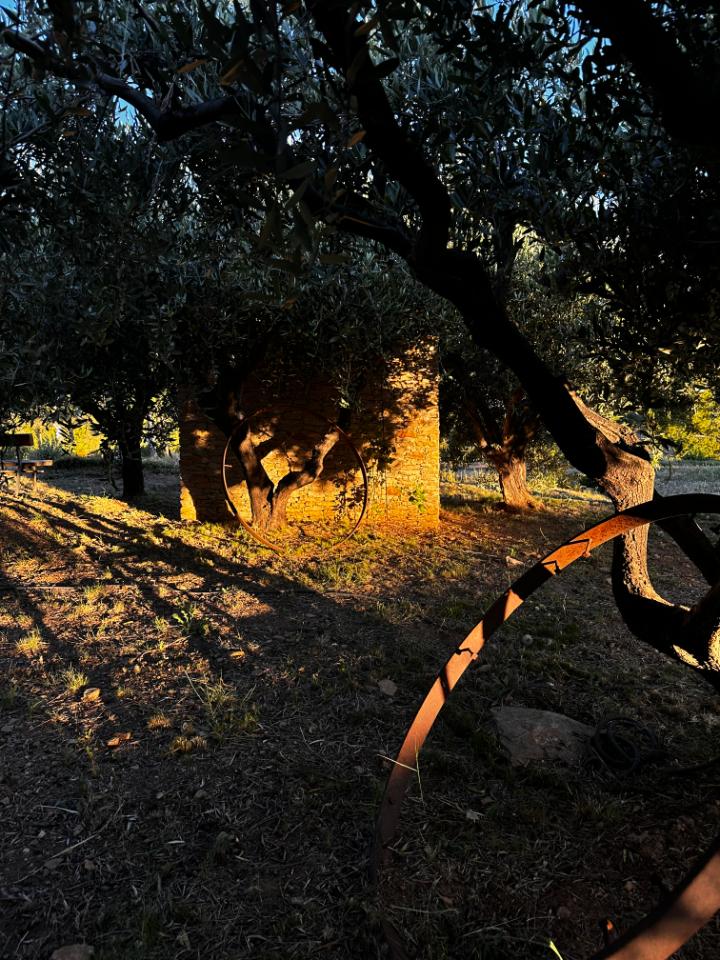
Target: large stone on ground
x: 530, y: 735
x: 74, y: 951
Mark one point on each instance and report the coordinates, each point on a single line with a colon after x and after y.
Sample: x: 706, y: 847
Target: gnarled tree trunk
x: 604, y: 451
x: 512, y: 475
x: 504, y: 446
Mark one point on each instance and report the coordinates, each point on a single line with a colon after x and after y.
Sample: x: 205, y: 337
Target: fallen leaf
x: 91, y: 694
x: 388, y: 687
x: 512, y: 562
x: 473, y: 815
x: 118, y: 739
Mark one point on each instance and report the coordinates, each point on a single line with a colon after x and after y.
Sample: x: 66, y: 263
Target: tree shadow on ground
x: 237, y: 814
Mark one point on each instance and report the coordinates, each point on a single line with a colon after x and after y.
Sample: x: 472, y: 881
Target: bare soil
x: 195, y: 736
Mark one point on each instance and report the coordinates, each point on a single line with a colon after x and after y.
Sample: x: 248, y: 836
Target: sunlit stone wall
x: 396, y: 429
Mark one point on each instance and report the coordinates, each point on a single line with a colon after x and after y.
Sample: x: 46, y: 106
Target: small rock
x: 387, y: 686
x: 74, y: 951
x: 473, y: 815
x: 529, y: 735
x: 527, y: 639
x: 91, y: 694
x: 512, y: 562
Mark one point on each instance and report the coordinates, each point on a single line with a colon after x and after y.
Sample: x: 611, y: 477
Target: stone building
x: 395, y: 427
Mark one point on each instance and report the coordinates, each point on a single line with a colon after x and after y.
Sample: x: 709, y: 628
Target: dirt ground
x: 195, y: 738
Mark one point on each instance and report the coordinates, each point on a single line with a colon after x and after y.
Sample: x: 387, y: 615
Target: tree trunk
x: 504, y: 446
x: 512, y: 474
x: 131, y: 466
x: 605, y: 451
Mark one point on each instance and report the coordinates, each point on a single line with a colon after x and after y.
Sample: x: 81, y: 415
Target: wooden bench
x: 16, y: 466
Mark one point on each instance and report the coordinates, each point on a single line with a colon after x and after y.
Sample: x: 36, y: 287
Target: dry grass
x: 242, y: 696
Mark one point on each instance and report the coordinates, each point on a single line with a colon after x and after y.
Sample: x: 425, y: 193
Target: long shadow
x: 282, y: 804
x: 162, y: 487
x: 125, y: 554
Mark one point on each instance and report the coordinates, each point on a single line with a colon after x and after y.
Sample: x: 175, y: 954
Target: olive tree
x: 307, y: 95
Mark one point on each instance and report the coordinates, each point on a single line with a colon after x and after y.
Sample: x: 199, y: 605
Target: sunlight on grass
x: 159, y: 721
x: 32, y: 644
x: 183, y: 744
x: 74, y: 680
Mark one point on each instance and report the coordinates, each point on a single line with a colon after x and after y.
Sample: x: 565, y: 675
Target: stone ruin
x: 395, y: 427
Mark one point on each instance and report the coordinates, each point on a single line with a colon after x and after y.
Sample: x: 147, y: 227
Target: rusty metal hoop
x: 695, y: 901
x: 345, y: 437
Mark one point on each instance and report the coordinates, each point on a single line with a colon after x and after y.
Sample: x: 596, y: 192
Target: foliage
x: 696, y: 436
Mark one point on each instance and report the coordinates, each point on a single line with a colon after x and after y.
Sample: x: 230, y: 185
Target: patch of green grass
x: 94, y: 592
x: 74, y: 680
x: 342, y: 572
x: 32, y: 644
x: 227, y: 714
x: 400, y: 610
x: 191, y: 622
x: 458, y: 608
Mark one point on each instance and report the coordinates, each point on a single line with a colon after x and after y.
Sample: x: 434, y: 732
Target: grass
x: 73, y: 680
x: 185, y: 744
x: 189, y: 620
x: 32, y: 644
x: 401, y: 610
x: 226, y: 713
x: 245, y: 697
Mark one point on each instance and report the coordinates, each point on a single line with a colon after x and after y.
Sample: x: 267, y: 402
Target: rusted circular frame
x: 693, y: 902
x: 287, y: 408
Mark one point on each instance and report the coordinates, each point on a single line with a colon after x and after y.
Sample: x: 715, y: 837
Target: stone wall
x: 395, y: 428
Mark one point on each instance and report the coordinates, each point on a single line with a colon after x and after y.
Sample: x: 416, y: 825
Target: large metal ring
x: 695, y: 901
x: 286, y: 408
